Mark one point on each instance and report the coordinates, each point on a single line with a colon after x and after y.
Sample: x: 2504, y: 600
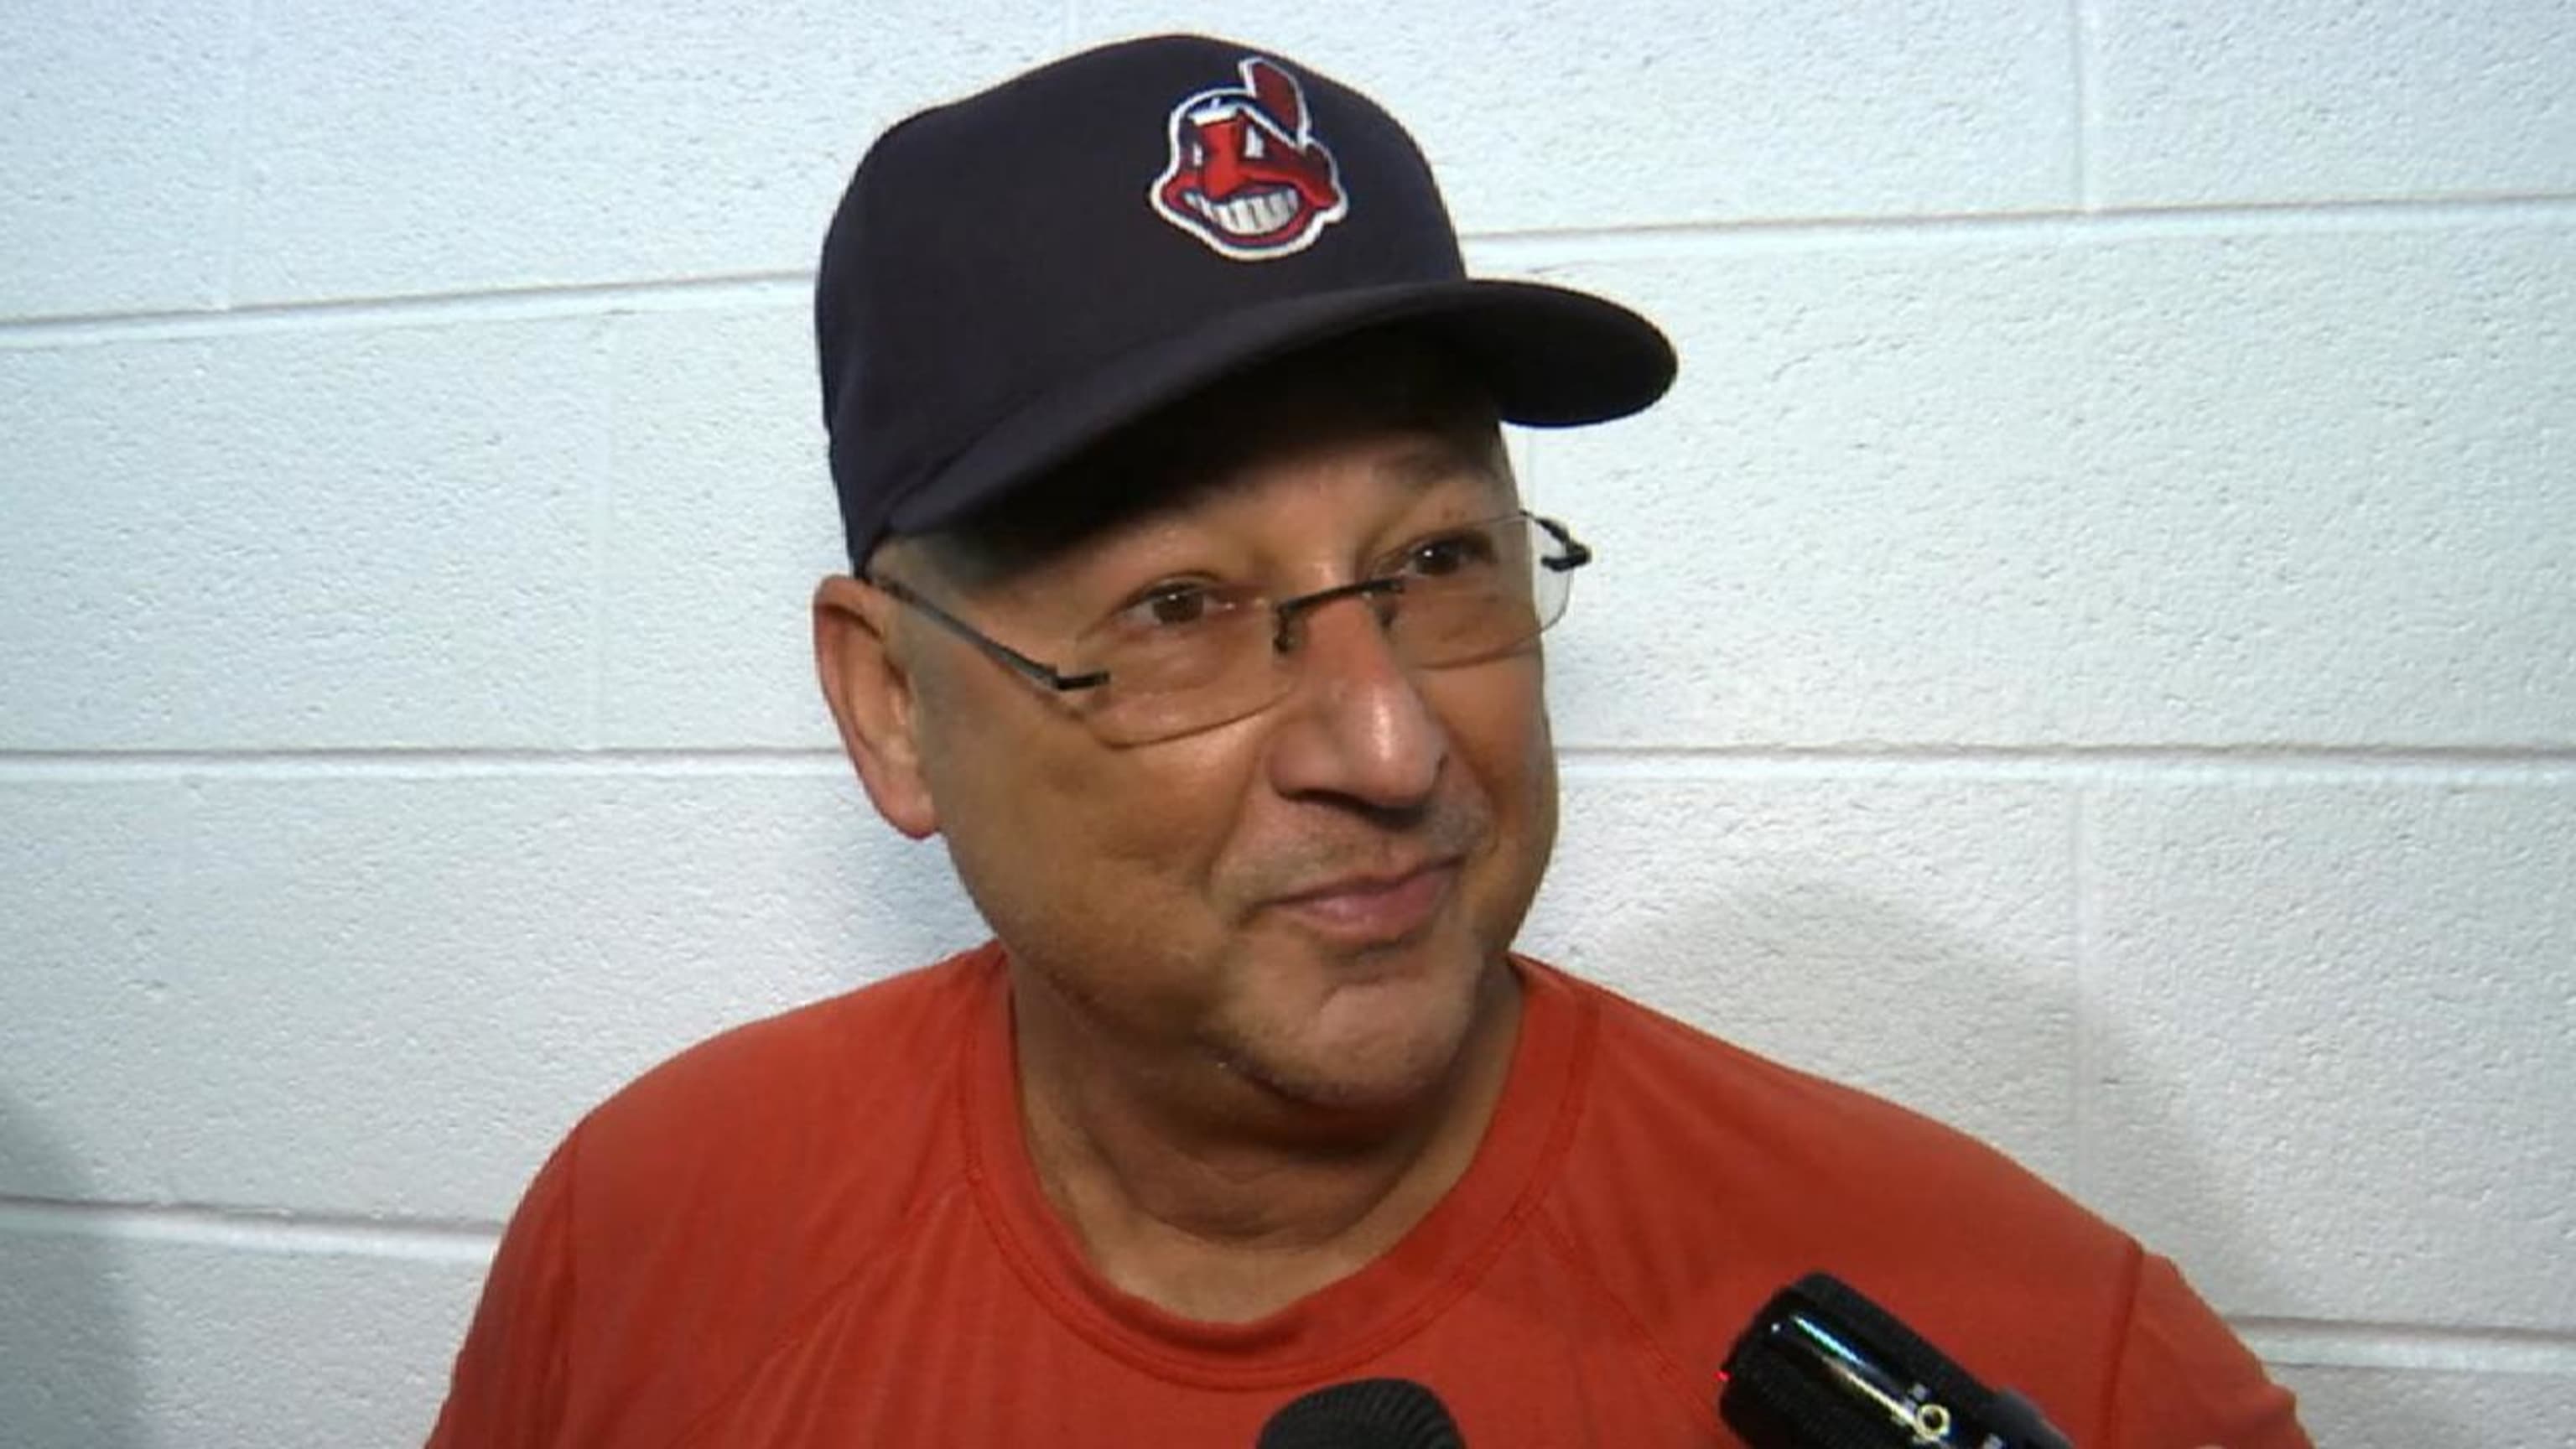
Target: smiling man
x: 1195, y: 610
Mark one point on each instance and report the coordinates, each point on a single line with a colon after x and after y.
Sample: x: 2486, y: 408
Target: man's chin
x: 1374, y: 1048
x: 1339, y: 1097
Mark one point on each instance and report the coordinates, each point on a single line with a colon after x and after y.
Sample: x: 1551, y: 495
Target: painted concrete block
x: 118, y: 135
x: 140, y: 1344
x: 2330, y: 1044
x: 1644, y: 111
x: 2324, y: 101
x: 487, y: 144
x: 1911, y: 939
x: 375, y: 994
x: 2403, y: 1406
x: 720, y: 523
x: 300, y: 539
x: 2086, y: 487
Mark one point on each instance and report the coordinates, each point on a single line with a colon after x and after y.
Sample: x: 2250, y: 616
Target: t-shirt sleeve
x: 2184, y: 1381
x: 507, y: 1390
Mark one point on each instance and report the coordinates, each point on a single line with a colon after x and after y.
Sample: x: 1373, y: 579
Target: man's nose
x: 1355, y: 724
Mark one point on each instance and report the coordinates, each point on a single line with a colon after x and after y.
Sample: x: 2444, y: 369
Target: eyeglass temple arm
x: 1046, y: 674
x: 1577, y: 553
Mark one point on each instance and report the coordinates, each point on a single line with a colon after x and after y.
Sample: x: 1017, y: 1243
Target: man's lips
x: 1372, y: 907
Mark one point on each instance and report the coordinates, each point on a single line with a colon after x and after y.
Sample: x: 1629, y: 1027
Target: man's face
x: 1314, y: 895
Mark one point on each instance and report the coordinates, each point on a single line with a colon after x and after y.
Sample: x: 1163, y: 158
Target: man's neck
x: 1209, y: 1196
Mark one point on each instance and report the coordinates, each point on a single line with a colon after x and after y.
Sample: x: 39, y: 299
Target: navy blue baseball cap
x: 1013, y: 277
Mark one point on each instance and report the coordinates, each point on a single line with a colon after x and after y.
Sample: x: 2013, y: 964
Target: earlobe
x: 871, y: 696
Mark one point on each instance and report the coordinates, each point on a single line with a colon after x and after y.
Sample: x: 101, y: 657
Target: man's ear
x: 871, y: 695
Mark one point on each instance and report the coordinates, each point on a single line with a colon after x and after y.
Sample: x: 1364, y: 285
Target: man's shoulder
x: 693, y: 1219
x: 774, y: 1112
x: 1727, y: 1109
x: 1703, y: 1176
x: 875, y: 1038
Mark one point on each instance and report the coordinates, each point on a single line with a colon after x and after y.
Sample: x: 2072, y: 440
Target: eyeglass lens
x: 1473, y: 593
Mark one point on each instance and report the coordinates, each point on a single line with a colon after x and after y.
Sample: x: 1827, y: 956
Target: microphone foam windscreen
x: 1364, y: 1414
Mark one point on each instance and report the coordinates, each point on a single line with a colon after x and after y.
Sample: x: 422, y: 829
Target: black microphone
x: 1363, y: 1414
x: 1821, y: 1367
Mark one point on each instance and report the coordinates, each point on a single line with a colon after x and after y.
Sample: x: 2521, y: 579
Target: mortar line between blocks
x: 2083, y: 36
x: 744, y: 762
x: 603, y: 462
x: 2054, y: 225
x: 423, y: 309
x: 2085, y: 919
x: 240, y: 1230
x: 2548, y: 768
x: 1528, y: 250
x: 250, y: 20
x: 2405, y: 1347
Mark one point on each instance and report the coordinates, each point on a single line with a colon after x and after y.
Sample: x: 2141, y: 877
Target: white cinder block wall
x: 2086, y: 649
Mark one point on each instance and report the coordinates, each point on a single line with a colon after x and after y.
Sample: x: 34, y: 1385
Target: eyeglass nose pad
x: 1381, y: 593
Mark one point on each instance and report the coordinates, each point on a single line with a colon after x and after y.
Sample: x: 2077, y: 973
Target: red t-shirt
x: 823, y: 1229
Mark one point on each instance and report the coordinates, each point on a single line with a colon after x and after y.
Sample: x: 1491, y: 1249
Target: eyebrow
x: 1439, y: 460
x: 1420, y: 469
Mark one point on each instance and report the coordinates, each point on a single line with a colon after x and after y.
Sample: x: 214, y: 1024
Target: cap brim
x: 1550, y: 356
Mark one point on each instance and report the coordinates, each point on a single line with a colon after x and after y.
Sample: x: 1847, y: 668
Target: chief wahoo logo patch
x: 1246, y: 173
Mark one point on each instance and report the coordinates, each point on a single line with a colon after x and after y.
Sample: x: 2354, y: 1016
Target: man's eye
x: 1172, y: 606
x: 1449, y: 554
